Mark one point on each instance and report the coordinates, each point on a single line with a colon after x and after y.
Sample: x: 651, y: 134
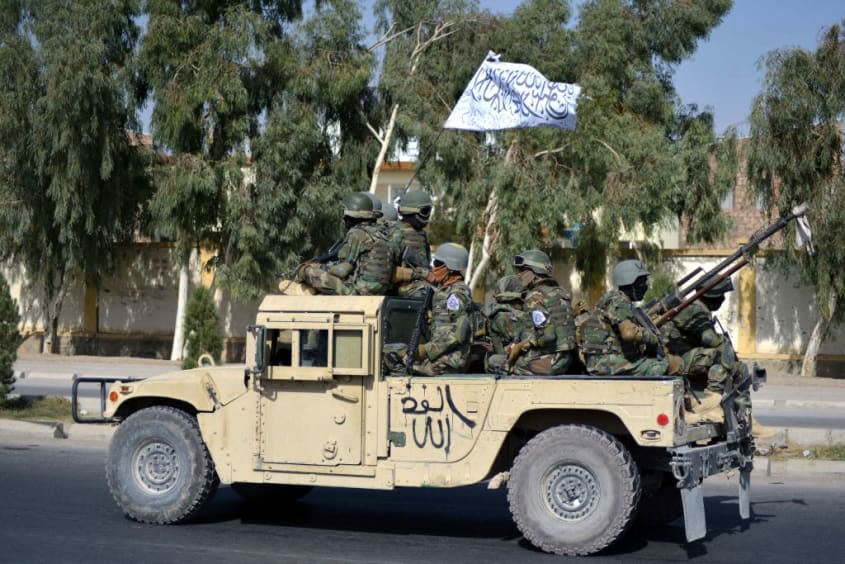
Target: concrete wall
x: 769, y: 317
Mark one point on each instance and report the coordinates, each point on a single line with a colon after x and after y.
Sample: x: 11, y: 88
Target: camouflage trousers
x: 394, y: 362
x: 618, y: 365
x: 704, y: 368
x: 315, y: 276
x: 530, y: 364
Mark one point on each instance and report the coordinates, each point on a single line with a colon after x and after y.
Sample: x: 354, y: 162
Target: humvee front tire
x: 573, y: 490
x: 158, y: 467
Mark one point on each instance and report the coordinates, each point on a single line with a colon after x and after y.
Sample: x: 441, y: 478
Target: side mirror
x: 257, y: 336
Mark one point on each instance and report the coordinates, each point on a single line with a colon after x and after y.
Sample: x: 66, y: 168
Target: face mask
x: 437, y: 274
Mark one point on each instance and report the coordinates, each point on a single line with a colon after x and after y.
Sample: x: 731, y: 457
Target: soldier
x: 410, y: 244
x: 505, y: 317
x: 364, y: 259
x: 547, y: 345
x: 613, y: 340
x: 450, y: 327
x: 708, y: 360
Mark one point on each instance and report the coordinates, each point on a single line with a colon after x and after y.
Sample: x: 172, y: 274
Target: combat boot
x: 762, y: 433
x: 712, y: 415
x: 708, y: 400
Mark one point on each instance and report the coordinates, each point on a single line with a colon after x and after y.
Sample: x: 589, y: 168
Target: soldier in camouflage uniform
x: 612, y: 339
x: 505, y: 316
x: 364, y: 259
x: 410, y: 244
x: 450, y: 327
x: 546, y: 344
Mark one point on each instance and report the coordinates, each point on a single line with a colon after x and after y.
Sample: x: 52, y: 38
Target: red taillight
x: 662, y: 419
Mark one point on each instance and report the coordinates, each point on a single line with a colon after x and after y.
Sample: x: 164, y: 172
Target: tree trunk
x: 385, y: 145
x: 809, y: 365
x: 179, y: 330
x: 490, y: 235
x: 54, y: 293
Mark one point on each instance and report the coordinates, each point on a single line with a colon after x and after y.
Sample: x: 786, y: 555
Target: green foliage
x: 36, y: 409
x: 661, y: 282
x: 10, y: 339
x: 795, y: 156
x: 70, y: 181
x: 637, y: 158
x: 202, y: 326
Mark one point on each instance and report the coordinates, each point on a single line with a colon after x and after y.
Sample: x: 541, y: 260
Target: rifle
x: 330, y: 255
x: 663, y: 309
x: 416, y: 334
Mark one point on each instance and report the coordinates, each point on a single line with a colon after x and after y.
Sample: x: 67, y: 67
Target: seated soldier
x: 612, y: 338
x: 505, y: 317
x: 364, y: 259
x: 450, y: 327
x: 543, y: 295
x: 411, y: 250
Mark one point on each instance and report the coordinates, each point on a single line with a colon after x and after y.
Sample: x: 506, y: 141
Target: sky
x: 723, y: 74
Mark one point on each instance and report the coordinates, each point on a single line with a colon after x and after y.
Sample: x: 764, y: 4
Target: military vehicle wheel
x: 573, y: 490
x: 158, y: 468
x: 661, y: 500
x: 270, y: 494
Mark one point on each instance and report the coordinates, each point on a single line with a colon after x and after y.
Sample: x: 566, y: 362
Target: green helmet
x: 377, y: 205
x: 626, y: 272
x: 508, y: 289
x: 454, y: 256
x: 416, y: 202
x: 719, y: 289
x: 359, y: 205
x: 388, y: 212
x: 535, y: 260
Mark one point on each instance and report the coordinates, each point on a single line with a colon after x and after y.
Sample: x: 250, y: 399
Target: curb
x: 57, y: 430
x: 799, y: 404
x: 766, y: 467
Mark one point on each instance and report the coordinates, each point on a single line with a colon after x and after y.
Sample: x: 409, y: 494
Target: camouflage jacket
x: 367, y: 248
x: 450, y: 326
x: 600, y: 333
x: 691, y: 327
x: 404, y: 236
x: 505, y: 323
x: 555, y: 302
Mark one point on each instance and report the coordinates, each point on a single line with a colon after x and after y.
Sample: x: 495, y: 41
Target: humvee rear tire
x: 270, y: 494
x: 573, y: 490
x: 158, y: 467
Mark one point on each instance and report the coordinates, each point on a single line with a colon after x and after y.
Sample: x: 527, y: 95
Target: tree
x: 10, y: 339
x: 211, y: 67
x: 637, y: 157
x: 202, y: 326
x: 795, y: 155
x: 71, y: 181
x: 315, y: 147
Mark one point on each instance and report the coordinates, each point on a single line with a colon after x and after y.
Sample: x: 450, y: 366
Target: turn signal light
x: 113, y: 396
x: 662, y: 419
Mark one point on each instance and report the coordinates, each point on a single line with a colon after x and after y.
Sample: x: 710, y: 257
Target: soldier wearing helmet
x: 505, y: 316
x: 364, y: 258
x: 450, y: 325
x: 612, y: 338
x: 546, y: 344
x: 410, y: 244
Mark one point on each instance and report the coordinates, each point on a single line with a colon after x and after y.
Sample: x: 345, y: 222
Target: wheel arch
x: 136, y: 404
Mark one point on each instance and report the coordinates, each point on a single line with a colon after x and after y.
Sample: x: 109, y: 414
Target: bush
x: 202, y: 327
x: 10, y: 339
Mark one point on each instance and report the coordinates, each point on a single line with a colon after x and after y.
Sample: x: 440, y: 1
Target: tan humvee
x: 582, y: 456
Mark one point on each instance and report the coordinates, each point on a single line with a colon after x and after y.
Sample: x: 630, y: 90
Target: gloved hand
x: 402, y: 274
x: 516, y: 349
x: 675, y: 363
x: 420, y: 353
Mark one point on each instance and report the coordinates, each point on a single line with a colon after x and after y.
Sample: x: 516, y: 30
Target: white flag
x: 511, y: 95
x: 803, y: 235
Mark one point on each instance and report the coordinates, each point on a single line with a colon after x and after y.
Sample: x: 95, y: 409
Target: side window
x: 314, y: 347
x: 281, y: 347
x: 348, y: 344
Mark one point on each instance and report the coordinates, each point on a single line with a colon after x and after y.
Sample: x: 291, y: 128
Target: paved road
x: 56, y: 508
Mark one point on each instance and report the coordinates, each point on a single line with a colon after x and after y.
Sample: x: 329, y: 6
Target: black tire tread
x: 621, y: 457
x: 208, y: 479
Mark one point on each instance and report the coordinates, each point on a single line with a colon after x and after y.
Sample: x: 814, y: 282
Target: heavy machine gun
x: 694, y: 285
